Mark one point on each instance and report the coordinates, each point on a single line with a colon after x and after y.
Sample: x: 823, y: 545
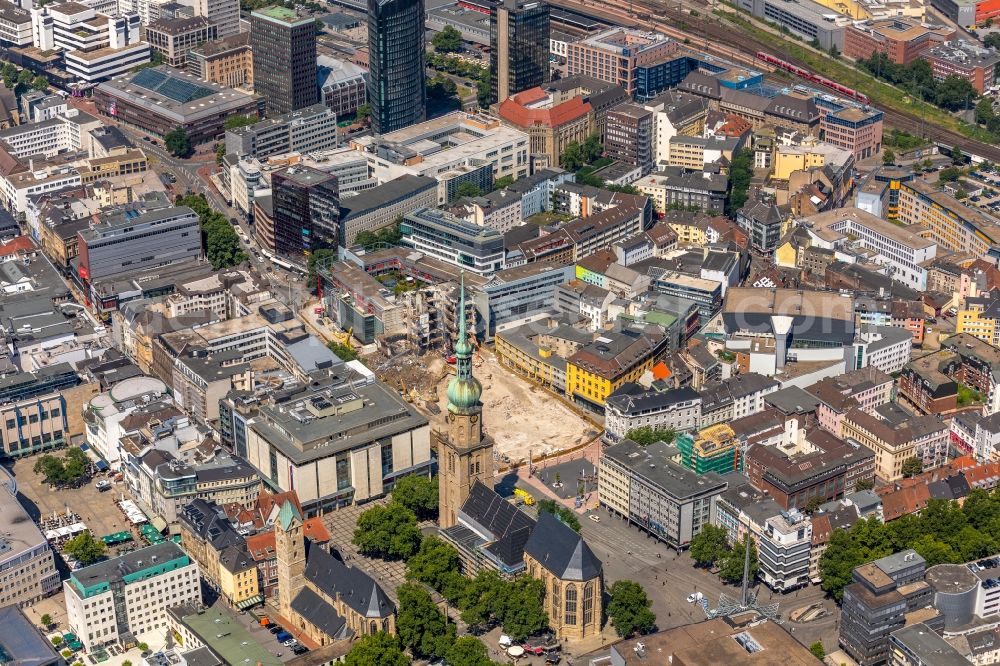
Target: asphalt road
x: 669, y: 578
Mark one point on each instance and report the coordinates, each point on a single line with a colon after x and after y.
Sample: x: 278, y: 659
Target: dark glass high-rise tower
x: 519, y: 47
x: 396, y: 77
x: 306, y: 210
x: 284, y: 59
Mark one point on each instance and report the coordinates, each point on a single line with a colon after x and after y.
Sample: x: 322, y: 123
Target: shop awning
x: 252, y: 601
x: 102, y: 466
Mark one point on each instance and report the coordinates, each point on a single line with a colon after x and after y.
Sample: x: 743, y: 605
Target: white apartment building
x: 115, y: 601
x: 883, y: 347
x: 901, y: 250
x: 784, y: 546
x: 15, y: 25
x: 106, y: 411
x: 66, y: 132
x: 676, y: 409
x: 455, y: 148
x: 27, y: 568
x: 17, y: 188
x: 96, y: 46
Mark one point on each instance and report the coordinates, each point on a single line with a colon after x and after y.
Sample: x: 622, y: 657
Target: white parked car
x: 695, y: 596
x: 594, y: 517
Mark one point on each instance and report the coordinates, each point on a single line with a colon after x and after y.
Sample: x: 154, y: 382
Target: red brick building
x: 901, y: 39
x: 971, y: 62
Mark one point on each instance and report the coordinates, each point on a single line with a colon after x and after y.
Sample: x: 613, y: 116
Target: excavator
x: 343, y: 337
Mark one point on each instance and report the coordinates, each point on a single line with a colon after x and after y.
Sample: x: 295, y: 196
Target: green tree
x: 484, y: 90
x: 220, y: 153
x: 143, y: 647
x: 813, y: 503
x: 379, y: 649
x: 740, y: 173
x: 865, y: 484
x: 955, y: 93
x: 363, y: 113
x: 237, y: 121
x: 467, y: 190
x: 564, y: 514
x: 592, y: 148
x: 519, y: 609
x: 177, y: 142
x: 503, y: 183
x: 973, y: 544
x: 957, y: 156
x: 51, y: 468
x: 837, y: 564
x: 933, y: 550
x: 46, y: 620
x: 388, y: 531
x: 342, y: 351
x: 468, y: 651
x: 39, y: 83
x: 318, y: 258
x: 646, y: 435
x: 731, y: 566
x: 912, y: 466
x: 57, y: 641
x: 818, y: 650
x: 448, y: 40
x: 984, y: 110
x: 629, y: 609
x: 480, y: 599
x: 572, y: 157
x: 709, y: 545
x: 419, y: 494
x: 888, y: 157
x: 422, y: 628
x: 433, y: 562
x: 84, y: 548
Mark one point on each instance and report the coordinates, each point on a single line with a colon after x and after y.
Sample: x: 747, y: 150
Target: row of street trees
x: 222, y: 245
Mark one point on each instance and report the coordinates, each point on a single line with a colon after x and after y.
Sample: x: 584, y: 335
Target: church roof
x: 561, y: 550
x: 355, y: 587
x: 509, y: 526
x: 318, y: 612
x: 287, y: 514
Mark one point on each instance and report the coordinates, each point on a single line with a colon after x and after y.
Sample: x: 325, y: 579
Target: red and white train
x: 812, y: 76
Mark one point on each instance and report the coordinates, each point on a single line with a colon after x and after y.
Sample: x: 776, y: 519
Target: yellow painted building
x: 692, y: 232
x: 978, y: 324
x: 786, y: 255
x: 600, y: 368
x: 788, y: 159
x: 950, y: 223
x: 238, y: 577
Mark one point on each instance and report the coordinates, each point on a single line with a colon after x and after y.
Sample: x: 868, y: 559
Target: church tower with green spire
x: 465, y: 452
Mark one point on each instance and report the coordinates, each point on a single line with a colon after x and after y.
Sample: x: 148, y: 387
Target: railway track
x: 711, y: 34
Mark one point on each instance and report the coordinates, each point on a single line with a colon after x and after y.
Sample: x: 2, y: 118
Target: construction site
x: 400, y: 312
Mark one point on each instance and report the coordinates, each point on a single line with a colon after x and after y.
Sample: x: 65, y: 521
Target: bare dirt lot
x: 521, y: 417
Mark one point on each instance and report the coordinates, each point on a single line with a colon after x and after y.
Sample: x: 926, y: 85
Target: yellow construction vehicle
x: 343, y: 337
x: 525, y: 496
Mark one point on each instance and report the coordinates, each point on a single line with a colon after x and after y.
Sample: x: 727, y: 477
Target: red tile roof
x: 16, y: 245
x: 907, y: 500
x: 514, y: 110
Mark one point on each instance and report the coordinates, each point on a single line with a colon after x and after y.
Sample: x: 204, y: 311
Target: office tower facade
x: 306, y: 205
x: 397, y: 90
x: 519, y: 41
x: 284, y: 59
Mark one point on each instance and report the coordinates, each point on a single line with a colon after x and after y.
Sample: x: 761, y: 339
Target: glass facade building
x: 519, y: 47
x: 396, y: 78
x: 306, y: 210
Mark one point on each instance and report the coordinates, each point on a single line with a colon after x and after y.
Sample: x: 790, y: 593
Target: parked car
x: 594, y: 517
x: 283, y: 636
x: 695, y: 596
x: 533, y: 649
x: 103, y: 485
x: 300, y: 649
x: 275, y: 628
x: 290, y: 643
